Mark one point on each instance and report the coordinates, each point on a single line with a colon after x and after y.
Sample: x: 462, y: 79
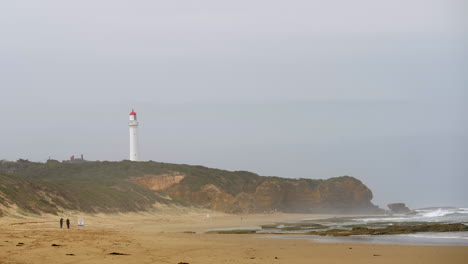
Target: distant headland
x: 109, y: 187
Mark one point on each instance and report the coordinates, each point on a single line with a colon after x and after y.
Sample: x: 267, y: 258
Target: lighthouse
x: 133, y: 126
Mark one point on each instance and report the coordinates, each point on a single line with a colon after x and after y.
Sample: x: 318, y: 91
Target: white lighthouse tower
x: 133, y: 125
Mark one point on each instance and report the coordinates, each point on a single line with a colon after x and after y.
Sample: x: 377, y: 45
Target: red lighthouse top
x: 133, y: 112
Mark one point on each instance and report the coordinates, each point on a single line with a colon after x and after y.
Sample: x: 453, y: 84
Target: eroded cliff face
x: 126, y: 186
x: 158, y: 182
x: 266, y: 194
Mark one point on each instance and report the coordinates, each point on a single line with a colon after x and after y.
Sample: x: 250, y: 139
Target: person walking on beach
x: 68, y: 223
x: 61, y: 222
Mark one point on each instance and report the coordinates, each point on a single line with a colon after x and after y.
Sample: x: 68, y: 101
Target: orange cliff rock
x: 266, y: 194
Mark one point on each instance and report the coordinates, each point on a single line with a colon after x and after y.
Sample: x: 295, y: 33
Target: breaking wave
x: 433, y: 215
x: 439, y: 212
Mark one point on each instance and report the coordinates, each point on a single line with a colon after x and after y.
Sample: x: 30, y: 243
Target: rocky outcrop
x: 399, y: 208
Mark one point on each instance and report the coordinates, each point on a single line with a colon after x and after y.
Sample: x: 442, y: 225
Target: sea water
x: 433, y: 215
x: 427, y: 238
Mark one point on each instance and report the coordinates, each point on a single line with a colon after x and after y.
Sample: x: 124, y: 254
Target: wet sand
x: 169, y: 238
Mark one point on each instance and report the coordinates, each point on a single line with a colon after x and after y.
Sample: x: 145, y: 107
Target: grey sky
x: 313, y: 89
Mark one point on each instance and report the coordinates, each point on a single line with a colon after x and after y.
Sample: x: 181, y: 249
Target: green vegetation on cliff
x: 51, y: 187
x: 49, y: 196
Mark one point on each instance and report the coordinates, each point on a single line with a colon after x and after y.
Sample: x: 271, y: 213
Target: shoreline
x: 403, y: 239
x: 165, y: 238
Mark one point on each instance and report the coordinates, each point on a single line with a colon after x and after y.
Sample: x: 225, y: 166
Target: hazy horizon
x: 294, y: 89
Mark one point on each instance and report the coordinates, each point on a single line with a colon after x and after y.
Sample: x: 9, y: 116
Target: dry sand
x: 160, y: 238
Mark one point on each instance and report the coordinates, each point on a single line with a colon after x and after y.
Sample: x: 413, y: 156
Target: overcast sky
x: 311, y: 89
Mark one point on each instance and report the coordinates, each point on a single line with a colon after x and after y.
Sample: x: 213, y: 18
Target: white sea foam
x: 439, y: 212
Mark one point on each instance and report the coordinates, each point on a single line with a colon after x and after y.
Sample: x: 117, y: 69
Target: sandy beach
x: 177, y: 237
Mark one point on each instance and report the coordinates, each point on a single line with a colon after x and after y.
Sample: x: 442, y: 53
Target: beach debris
x: 276, y: 257
x: 350, y: 248
x: 20, y: 244
x: 183, y: 263
x: 70, y: 254
x: 118, y: 254
x: 376, y: 255
x: 56, y: 245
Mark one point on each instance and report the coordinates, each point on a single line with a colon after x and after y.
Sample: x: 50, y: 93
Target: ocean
x: 443, y: 215
x: 429, y: 239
